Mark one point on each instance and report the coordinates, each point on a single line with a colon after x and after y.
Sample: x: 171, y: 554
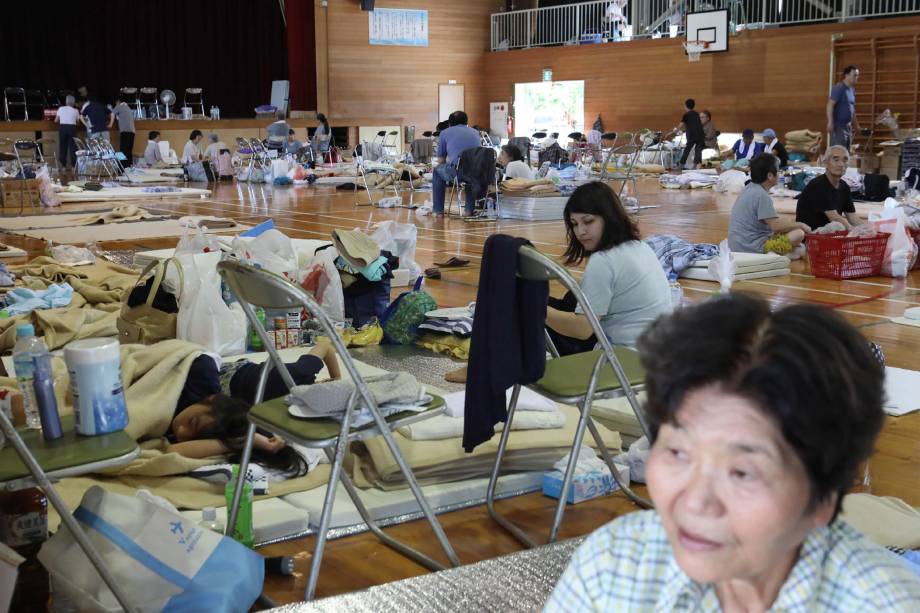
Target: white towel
x: 443, y: 426
x: 528, y: 400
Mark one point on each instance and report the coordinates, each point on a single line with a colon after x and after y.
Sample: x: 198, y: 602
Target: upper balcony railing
x: 604, y: 21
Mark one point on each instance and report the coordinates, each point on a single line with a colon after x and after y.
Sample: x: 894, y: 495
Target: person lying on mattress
x: 623, y: 281
x: 210, y: 418
x: 751, y: 457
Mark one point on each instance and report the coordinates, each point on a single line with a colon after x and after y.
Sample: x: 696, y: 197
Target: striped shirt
x: 628, y: 565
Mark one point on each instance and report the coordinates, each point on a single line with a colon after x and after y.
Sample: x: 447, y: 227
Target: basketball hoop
x: 694, y: 49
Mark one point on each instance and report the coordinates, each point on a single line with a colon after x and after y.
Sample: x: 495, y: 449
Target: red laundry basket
x: 838, y: 256
x: 916, y: 235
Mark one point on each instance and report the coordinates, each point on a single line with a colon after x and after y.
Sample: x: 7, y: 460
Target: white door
x: 450, y: 99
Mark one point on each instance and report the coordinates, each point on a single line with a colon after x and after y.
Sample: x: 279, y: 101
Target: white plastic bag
x: 722, y: 267
x: 195, y: 240
x: 329, y: 289
x: 731, y: 182
x: 399, y: 239
x: 46, y: 191
x: 901, y: 250
x: 271, y: 250
x: 204, y: 318
x: 162, y: 560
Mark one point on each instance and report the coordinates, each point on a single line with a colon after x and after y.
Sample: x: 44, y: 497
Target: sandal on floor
x: 433, y: 273
x: 454, y: 262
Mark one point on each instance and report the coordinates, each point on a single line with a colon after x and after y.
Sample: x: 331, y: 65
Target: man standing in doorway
x: 693, y: 128
x: 841, y: 109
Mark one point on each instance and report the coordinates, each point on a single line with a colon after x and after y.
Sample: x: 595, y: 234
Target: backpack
x: 404, y: 315
x: 876, y: 187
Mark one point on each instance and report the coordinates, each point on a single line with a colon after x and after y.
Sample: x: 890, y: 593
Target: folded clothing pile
x: 447, y: 331
x: 393, y: 392
x: 533, y: 412
x: 803, y: 141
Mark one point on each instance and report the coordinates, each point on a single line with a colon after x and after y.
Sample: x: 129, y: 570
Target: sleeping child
x: 210, y: 416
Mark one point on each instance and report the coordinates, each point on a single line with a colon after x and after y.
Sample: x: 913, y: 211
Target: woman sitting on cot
x: 210, y: 418
x: 623, y: 280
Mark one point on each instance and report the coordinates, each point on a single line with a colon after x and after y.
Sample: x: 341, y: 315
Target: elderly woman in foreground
x: 759, y: 421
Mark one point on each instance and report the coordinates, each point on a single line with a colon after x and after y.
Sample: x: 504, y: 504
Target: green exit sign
x: 547, y: 74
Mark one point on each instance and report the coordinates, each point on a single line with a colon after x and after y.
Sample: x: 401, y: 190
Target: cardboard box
x: 293, y: 337
x: 19, y: 193
x: 585, y: 486
x: 281, y: 339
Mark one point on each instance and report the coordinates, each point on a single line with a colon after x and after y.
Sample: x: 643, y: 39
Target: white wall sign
x: 403, y: 27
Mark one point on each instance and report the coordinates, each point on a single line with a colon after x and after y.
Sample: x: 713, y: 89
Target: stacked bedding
x: 747, y: 266
x: 531, y: 208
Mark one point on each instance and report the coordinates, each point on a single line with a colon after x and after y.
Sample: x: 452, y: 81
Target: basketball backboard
x: 710, y: 27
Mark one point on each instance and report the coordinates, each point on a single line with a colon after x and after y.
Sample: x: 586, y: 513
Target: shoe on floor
x: 453, y: 262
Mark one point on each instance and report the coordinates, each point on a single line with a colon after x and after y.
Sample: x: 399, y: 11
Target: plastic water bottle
x: 209, y: 520
x: 491, y: 211
x: 27, y: 347
x: 677, y: 292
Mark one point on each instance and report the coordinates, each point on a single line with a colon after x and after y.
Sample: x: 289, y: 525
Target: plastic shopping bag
x: 204, y: 318
x: 325, y: 284
x: 195, y: 240
x: 162, y: 560
x: 271, y: 250
x: 399, y: 239
x: 901, y: 250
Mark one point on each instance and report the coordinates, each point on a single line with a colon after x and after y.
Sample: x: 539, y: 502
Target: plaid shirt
x: 627, y: 565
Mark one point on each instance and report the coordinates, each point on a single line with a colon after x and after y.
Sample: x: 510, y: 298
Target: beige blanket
x: 98, y: 290
x: 445, y: 460
x: 153, y: 376
x: 888, y: 521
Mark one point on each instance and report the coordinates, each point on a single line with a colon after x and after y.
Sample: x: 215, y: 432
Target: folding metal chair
x: 631, y: 150
x: 365, y: 168
x: 36, y: 103
x: 40, y: 461
x: 193, y: 97
x: 15, y: 98
x: 149, y: 100
x: 390, y: 141
x: 258, y: 287
x: 577, y: 379
x: 132, y: 98
x: 459, y: 187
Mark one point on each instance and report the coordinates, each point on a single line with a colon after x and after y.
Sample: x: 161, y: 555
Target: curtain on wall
x: 233, y: 49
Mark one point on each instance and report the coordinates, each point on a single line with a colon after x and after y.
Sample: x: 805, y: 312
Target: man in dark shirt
x: 95, y: 117
x: 827, y: 198
x: 692, y: 126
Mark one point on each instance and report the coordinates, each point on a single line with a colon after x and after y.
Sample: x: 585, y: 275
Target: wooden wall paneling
x: 368, y: 80
x: 774, y: 78
x: 889, y: 72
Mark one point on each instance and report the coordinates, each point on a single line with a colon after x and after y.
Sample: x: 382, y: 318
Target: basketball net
x: 695, y: 49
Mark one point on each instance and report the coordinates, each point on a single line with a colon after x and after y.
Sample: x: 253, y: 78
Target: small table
x: 31, y: 460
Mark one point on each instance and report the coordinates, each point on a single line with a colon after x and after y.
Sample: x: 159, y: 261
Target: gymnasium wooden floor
x: 700, y: 216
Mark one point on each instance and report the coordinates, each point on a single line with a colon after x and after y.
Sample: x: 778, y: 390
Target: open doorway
x: 549, y: 106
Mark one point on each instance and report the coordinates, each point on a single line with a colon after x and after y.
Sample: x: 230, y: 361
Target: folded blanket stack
x: 533, y: 412
x: 525, y: 187
x: 803, y: 141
